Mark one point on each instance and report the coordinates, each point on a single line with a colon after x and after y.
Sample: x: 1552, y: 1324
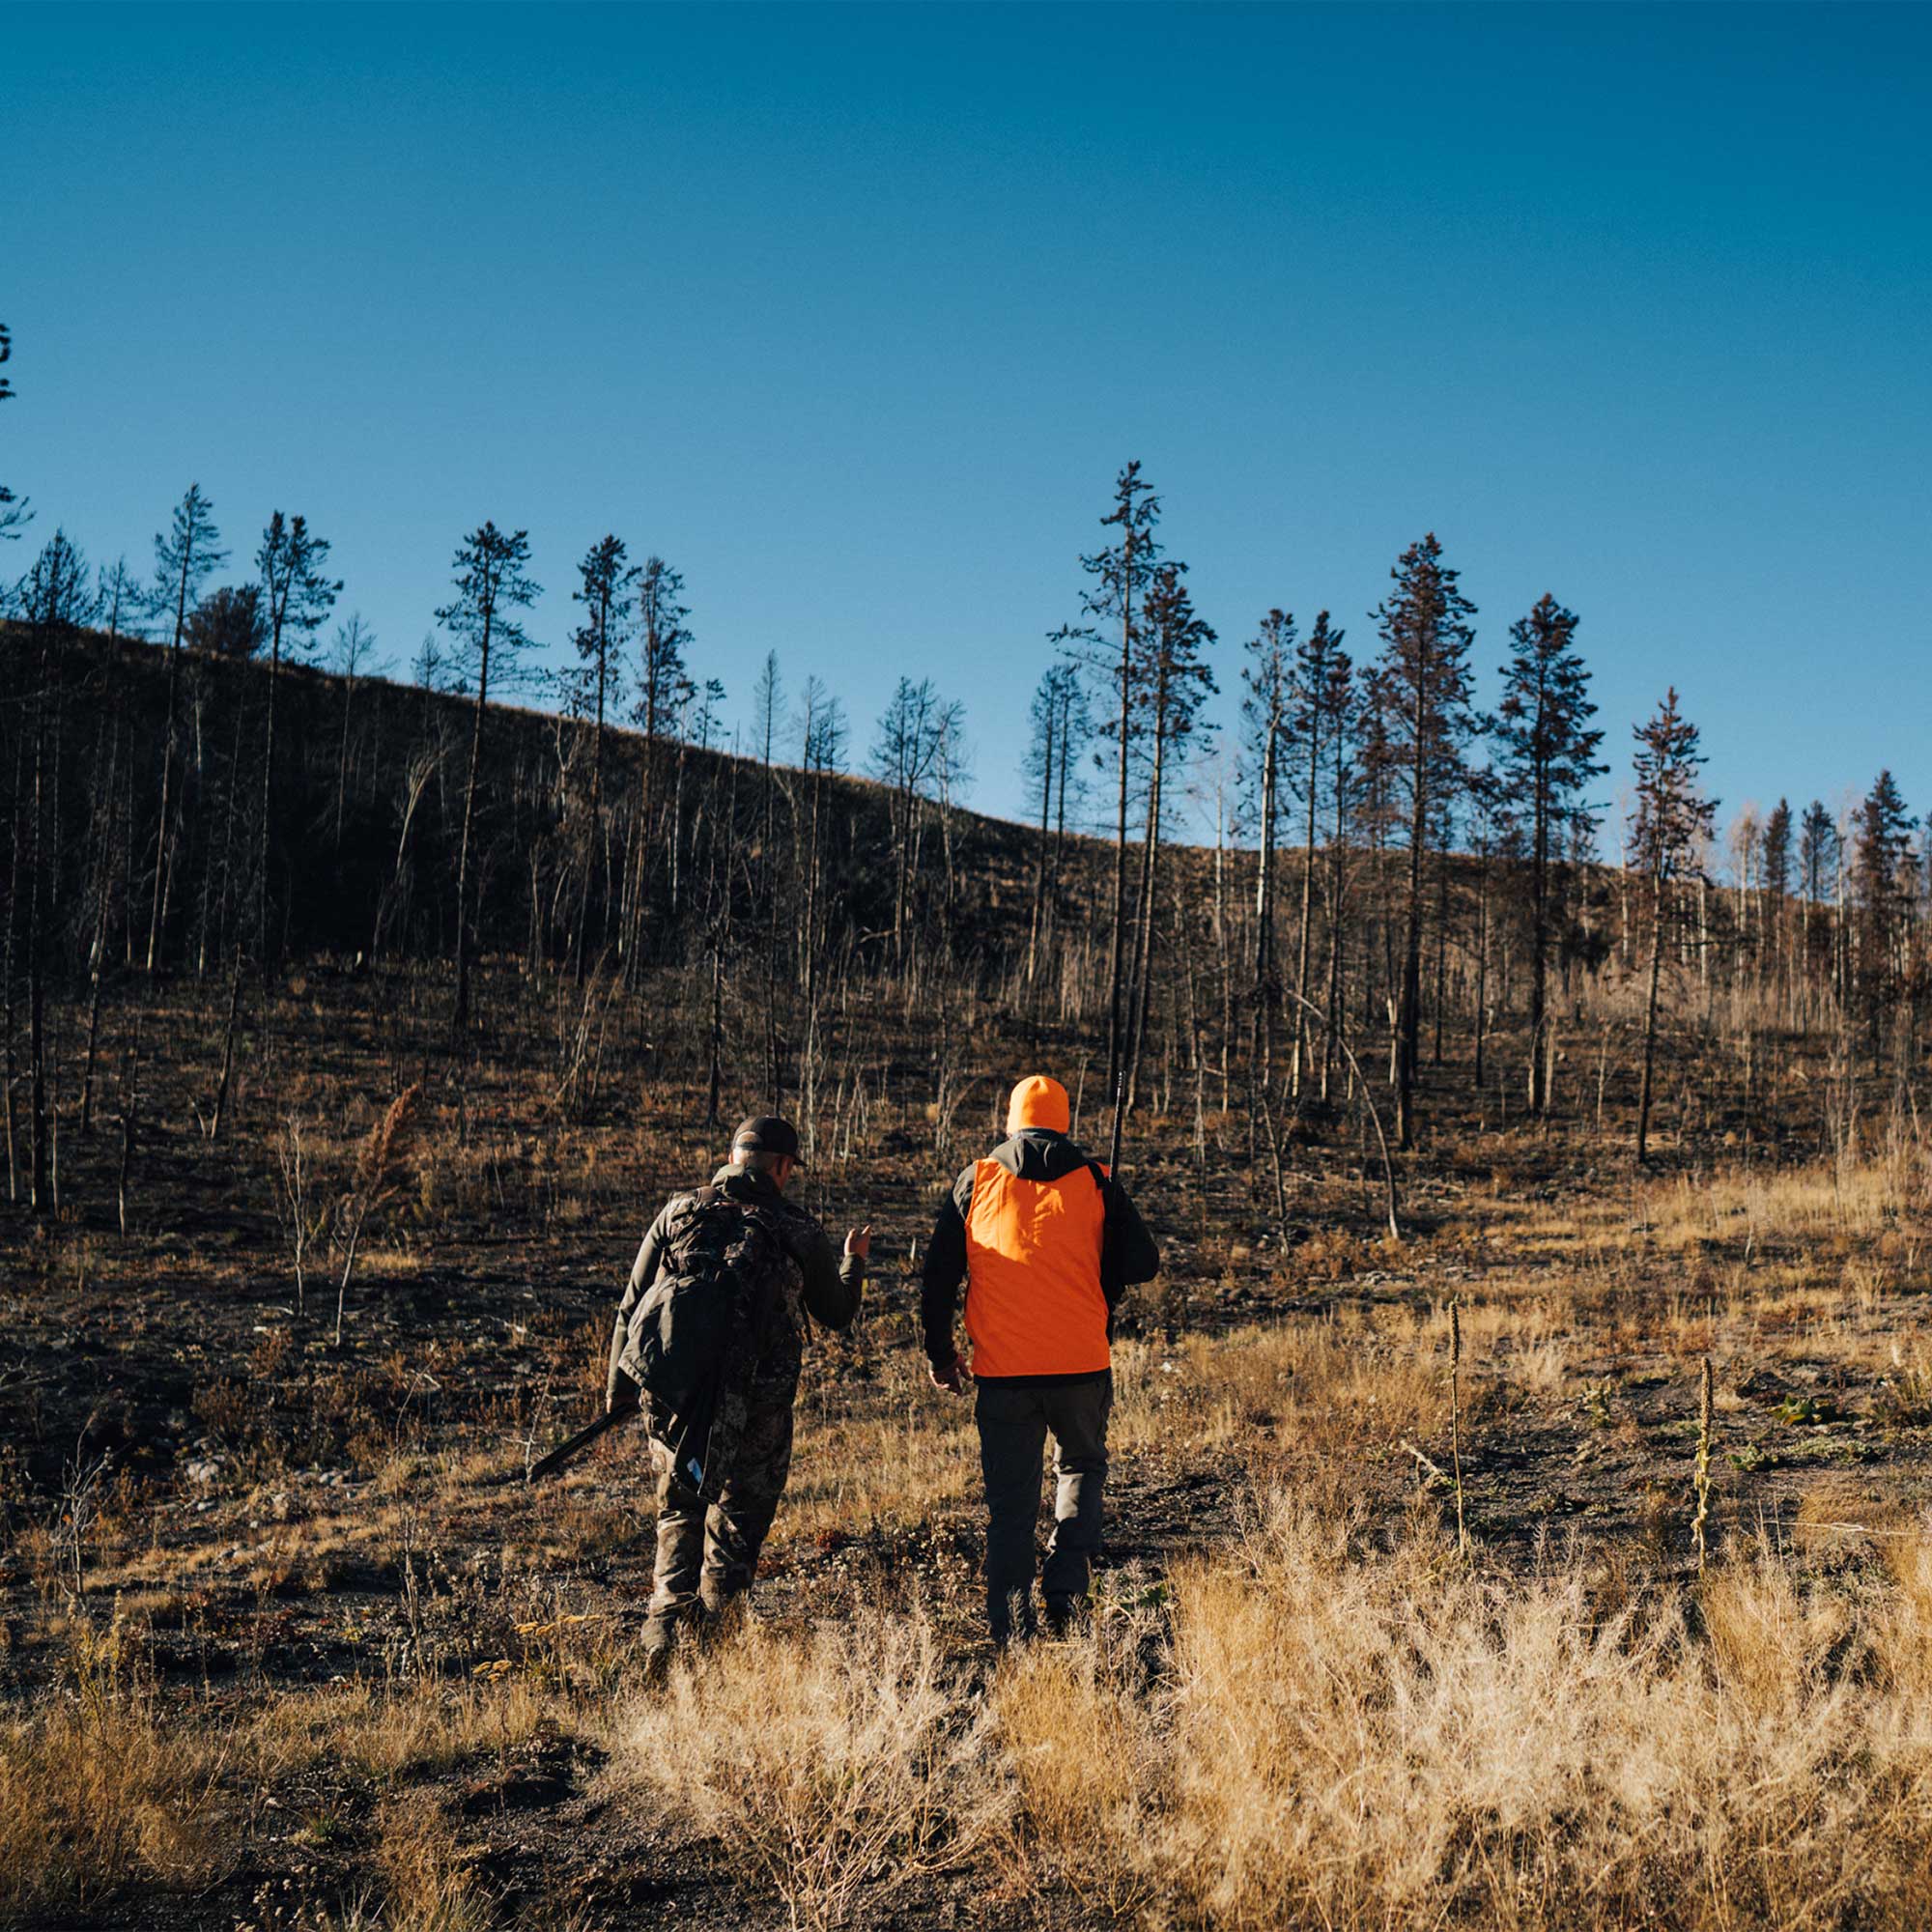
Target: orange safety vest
x: 1034, y: 1304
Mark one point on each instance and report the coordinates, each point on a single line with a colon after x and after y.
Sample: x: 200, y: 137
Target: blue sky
x: 853, y: 313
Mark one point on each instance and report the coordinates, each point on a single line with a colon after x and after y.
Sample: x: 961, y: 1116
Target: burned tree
x: 55, y: 600
x: 1312, y: 723
x: 297, y: 595
x: 186, y: 555
x: 1885, y: 889
x: 1818, y: 861
x: 13, y: 509
x: 1546, y: 758
x: 1110, y: 642
x: 492, y: 585
x: 905, y: 759
x: 1672, y: 819
x: 662, y: 689
x: 1060, y: 726
x: 1269, y: 678
x: 1178, y: 681
x: 605, y: 580
x: 1425, y: 672
x: 1776, y: 877
x: 350, y: 658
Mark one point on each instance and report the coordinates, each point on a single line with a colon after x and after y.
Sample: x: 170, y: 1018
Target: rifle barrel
x: 566, y: 1451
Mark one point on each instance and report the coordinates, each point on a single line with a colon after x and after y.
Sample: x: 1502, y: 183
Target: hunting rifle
x: 1114, y: 1145
x: 567, y: 1451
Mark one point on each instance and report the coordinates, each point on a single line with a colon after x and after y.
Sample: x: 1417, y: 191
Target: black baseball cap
x: 766, y: 1133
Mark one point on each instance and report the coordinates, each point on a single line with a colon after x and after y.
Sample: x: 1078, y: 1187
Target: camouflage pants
x: 710, y: 1555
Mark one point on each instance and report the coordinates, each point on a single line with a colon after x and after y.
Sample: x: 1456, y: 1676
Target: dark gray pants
x: 1014, y: 1421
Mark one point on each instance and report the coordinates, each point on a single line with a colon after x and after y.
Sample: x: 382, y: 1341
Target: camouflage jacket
x: 828, y: 1287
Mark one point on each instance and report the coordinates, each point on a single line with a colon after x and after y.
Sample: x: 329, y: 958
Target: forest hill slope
x: 676, y: 853
x: 368, y: 804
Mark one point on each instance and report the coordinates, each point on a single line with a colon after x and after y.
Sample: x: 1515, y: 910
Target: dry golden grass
x: 1349, y: 1736
x: 1339, y: 1388
x: 1329, y: 1724
x: 94, y: 1793
x: 429, y: 1888
x: 823, y: 1765
x: 883, y: 1467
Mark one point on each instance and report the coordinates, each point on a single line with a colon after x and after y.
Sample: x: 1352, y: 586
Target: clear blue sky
x: 853, y: 313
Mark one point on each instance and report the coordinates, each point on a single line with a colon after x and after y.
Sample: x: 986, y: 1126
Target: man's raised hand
x: 859, y: 1241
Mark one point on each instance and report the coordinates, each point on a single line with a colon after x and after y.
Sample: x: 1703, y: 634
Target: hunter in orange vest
x: 1046, y: 1242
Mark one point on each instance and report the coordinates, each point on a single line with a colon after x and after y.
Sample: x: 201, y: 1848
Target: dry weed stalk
x: 1700, y: 1476
x: 77, y: 1511
x: 303, y: 1218
x: 376, y: 1175
x: 1455, y: 1418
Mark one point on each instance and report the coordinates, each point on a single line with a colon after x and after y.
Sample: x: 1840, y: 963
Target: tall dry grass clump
x: 1389, y: 1740
x: 98, y: 1788
x: 823, y: 1765
x: 428, y: 1887
x: 1082, y: 1766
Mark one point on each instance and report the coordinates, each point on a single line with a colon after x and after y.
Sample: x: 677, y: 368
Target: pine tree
x: 350, y: 657
x: 1425, y: 668
x: 186, y: 555
x: 767, y: 701
x: 1178, y: 681
x: 822, y: 734
x: 55, y: 600
x: 1269, y: 678
x: 228, y: 623
x: 905, y: 758
x: 1109, y: 642
x: 13, y: 512
x: 605, y: 580
x: 1776, y: 862
x: 663, y: 686
x: 1311, y: 724
x: 1817, y: 865
x: 1882, y: 878
x: 1060, y: 725
x: 124, y: 604
x: 1548, y: 758
x: 492, y: 585
x: 1342, y: 703
x: 1672, y: 817
x: 299, y: 594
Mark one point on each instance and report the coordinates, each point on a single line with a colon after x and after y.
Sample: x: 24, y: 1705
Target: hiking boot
x: 662, y: 1635
x: 657, y: 1648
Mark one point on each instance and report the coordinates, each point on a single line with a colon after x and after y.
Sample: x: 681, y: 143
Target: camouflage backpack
x: 726, y: 1296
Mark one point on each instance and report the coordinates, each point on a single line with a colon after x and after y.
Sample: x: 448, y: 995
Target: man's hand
x: 952, y: 1378
x: 859, y: 1241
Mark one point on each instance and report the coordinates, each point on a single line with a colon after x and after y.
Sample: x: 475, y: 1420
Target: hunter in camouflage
x: 711, y: 1528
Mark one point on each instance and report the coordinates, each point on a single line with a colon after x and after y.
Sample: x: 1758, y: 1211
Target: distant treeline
x: 187, y: 791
